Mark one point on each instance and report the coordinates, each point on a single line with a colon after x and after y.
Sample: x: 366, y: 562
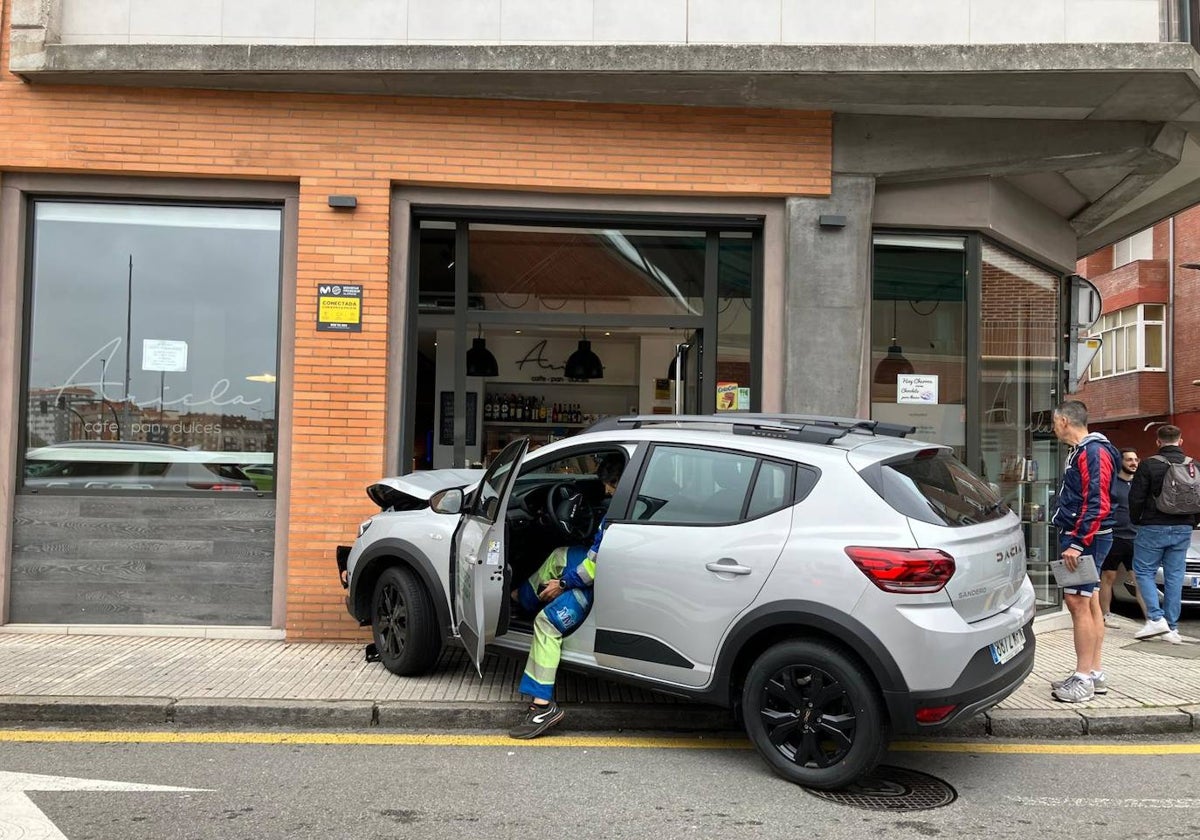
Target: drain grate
x: 892, y: 789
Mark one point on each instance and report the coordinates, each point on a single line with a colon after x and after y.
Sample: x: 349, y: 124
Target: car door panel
x: 480, y: 552
x: 660, y: 611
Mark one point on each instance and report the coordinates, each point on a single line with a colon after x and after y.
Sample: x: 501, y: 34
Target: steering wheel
x: 570, y: 513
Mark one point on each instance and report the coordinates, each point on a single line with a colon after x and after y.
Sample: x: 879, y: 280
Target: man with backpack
x: 1164, y: 500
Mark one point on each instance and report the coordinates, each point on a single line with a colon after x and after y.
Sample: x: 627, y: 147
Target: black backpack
x: 1180, y: 493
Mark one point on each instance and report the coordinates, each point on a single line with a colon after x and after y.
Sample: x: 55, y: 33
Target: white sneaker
x: 1172, y: 637
x: 1152, y: 629
x: 1111, y: 621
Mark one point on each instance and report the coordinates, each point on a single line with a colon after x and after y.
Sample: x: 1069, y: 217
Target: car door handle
x: 727, y: 566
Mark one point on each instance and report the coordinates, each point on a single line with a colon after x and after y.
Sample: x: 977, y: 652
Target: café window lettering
x: 152, y: 348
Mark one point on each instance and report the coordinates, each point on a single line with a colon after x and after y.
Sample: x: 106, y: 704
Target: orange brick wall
x: 363, y: 146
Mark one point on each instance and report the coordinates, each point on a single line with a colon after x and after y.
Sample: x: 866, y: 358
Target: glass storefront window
x: 153, y: 347
x: 585, y: 271
x: 662, y: 314
x: 1019, y: 328
x: 735, y: 377
x: 918, y: 335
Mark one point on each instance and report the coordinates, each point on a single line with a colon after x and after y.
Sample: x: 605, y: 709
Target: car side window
x: 772, y: 489
x: 693, y: 485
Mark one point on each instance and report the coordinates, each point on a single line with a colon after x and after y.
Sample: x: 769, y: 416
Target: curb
x: 226, y: 713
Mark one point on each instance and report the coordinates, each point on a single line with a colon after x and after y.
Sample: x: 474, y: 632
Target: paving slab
x: 230, y: 682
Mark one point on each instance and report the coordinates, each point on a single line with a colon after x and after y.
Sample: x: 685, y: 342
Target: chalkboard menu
x: 446, y: 436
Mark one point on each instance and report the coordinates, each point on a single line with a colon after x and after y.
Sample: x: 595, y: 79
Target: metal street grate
x: 892, y: 789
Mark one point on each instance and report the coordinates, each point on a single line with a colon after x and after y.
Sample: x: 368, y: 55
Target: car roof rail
x: 820, y: 430
x: 857, y: 424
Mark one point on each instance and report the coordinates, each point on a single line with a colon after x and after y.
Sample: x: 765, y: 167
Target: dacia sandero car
x: 830, y: 580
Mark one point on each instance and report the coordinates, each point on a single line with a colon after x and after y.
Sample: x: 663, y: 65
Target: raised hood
x: 406, y: 492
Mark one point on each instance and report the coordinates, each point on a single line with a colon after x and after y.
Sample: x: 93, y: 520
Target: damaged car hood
x: 415, y: 489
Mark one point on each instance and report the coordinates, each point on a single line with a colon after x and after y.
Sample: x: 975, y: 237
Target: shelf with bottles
x: 555, y: 382
x: 526, y: 409
x: 529, y: 424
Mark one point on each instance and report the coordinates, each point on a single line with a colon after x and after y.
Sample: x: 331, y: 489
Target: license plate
x: 1008, y: 647
x: 1194, y: 581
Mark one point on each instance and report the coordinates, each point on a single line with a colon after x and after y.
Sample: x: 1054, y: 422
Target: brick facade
x: 364, y: 146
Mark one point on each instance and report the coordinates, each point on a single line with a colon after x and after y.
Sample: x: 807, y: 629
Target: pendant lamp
x: 893, y: 364
x: 583, y: 363
x: 480, y: 361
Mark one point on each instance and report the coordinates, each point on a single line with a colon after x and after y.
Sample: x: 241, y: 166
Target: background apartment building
x: 1147, y: 370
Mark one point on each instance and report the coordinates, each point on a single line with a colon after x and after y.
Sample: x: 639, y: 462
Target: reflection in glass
x: 735, y: 376
x: 584, y: 270
x: 1018, y: 370
x: 918, y: 336
x: 152, y: 347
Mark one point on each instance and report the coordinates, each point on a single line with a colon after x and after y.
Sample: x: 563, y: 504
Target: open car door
x: 480, y: 553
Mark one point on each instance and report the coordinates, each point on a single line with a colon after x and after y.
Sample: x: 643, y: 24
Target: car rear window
x: 939, y: 489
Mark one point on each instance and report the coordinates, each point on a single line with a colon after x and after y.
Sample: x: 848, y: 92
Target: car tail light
x: 906, y: 570
x: 934, y: 714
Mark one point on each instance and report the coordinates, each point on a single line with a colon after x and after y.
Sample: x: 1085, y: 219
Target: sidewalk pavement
x: 123, y: 681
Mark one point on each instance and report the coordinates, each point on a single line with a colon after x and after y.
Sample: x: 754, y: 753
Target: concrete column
x: 34, y: 24
x: 828, y: 294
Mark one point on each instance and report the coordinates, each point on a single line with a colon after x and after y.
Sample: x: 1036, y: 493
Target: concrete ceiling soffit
x: 1001, y: 81
x: 1092, y: 183
x: 898, y: 149
x: 1158, y: 158
x: 1166, y: 194
x: 1052, y: 190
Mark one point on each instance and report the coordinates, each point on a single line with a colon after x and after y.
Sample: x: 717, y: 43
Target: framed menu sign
x: 446, y: 427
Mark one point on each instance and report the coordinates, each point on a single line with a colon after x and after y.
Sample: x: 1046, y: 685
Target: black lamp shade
x: 480, y: 361
x: 892, y: 365
x: 583, y: 363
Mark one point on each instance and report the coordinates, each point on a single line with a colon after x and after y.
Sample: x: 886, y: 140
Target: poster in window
x: 446, y: 434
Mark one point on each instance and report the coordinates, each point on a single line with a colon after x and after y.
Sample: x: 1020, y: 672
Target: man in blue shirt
x: 1121, y: 554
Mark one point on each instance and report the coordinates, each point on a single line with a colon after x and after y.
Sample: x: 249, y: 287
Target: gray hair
x: 1074, y: 411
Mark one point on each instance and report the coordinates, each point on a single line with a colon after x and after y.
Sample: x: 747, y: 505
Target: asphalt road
x: 566, y: 787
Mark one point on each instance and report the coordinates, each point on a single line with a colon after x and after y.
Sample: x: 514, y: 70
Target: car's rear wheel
x: 813, y: 714
x: 404, y: 623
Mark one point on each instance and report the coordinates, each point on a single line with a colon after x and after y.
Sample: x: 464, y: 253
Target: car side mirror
x: 447, y: 501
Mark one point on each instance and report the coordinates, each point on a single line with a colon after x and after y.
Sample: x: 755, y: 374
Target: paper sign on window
x: 163, y: 355
x: 917, y: 388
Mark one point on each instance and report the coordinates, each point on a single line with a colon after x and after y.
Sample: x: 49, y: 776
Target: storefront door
x: 539, y: 330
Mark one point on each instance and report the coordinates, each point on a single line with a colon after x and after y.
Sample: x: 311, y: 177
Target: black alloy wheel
x: 813, y: 714
x: 403, y: 623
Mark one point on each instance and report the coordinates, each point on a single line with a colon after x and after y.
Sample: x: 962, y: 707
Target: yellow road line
x: 1048, y: 749
x: 354, y: 738
x: 570, y: 741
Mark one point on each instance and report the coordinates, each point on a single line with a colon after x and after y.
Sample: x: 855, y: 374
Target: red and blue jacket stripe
x: 1085, y: 505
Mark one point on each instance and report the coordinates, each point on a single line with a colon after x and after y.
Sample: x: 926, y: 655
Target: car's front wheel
x: 404, y: 623
x: 813, y: 714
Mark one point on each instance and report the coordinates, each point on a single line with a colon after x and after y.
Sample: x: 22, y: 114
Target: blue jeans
x: 1166, y: 546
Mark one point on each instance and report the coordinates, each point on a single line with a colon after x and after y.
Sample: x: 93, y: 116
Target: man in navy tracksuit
x: 1084, y: 519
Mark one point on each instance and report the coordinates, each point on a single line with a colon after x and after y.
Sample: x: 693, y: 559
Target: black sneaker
x: 537, y: 719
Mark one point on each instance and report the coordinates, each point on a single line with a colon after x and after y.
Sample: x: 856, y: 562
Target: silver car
x: 1125, y: 589
x: 831, y: 581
